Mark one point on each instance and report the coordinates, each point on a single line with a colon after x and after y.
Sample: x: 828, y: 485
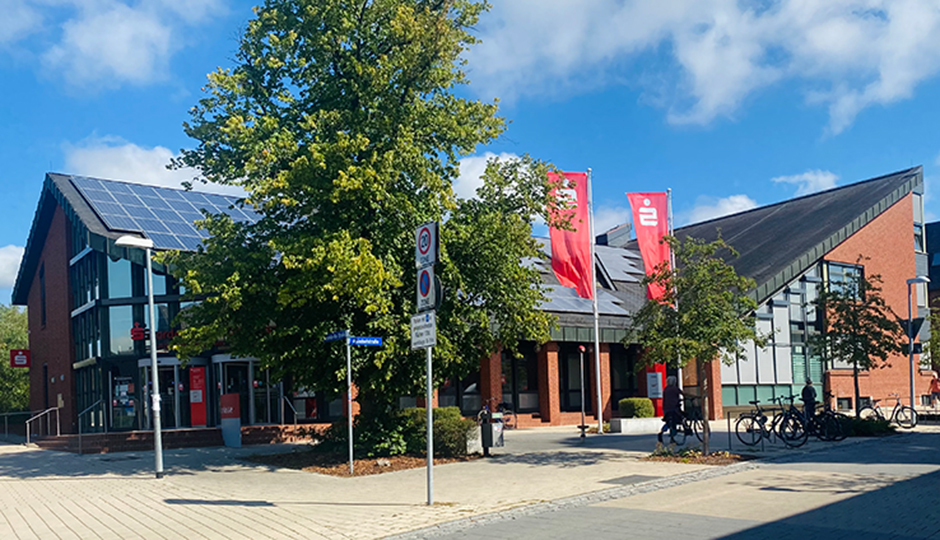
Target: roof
x: 780, y: 241
x: 105, y: 210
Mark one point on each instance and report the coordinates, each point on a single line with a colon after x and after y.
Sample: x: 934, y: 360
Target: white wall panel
x: 765, y: 356
x: 747, y: 365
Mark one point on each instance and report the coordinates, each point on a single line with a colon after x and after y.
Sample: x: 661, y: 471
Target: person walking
x: 935, y: 390
x: 809, y: 400
x: 672, y: 406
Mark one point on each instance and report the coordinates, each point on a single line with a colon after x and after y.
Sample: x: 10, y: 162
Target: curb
x: 594, y: 497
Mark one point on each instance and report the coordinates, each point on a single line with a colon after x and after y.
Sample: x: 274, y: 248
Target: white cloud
x: 847, y: 54
x: 709, y: 208
x: 810, y: 181
x: 471, y: 171
x: 116, y: 159
x: 93, y: 44
x: 606, y: 217
x: 10, y: 257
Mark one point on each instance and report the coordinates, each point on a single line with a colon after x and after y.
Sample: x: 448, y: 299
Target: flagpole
x: 672, y: 268
x: 599, y: 410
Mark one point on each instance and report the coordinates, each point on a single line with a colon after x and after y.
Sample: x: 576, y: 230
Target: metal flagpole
x: 597, y: 339
x: 672, y: 267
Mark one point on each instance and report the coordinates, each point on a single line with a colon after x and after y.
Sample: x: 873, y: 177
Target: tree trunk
x: 857, y: 393
x: 703, y: 384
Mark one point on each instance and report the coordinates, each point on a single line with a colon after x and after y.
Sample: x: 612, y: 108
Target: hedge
x: 451, y: 431
x: 636, y: 408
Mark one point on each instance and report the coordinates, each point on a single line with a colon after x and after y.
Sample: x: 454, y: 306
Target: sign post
x: 424, y: 324
x: 350, y: 341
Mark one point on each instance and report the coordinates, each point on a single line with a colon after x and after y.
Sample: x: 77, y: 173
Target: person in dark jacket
x: 809, y: 399
x: 672, y: 405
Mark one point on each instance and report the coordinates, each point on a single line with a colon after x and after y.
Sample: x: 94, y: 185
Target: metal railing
x: 6, y: 420
x: 48, y: 416
x: 80, y: 415
x: 285, y: 399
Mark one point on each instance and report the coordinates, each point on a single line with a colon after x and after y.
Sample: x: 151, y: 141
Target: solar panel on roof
x: 164, y: 215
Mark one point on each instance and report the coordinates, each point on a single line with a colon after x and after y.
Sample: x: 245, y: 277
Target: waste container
x: 491, y: 431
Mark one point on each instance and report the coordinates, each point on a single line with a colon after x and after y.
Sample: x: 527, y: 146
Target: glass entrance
x: 235, y: 381
x: 570, y: 384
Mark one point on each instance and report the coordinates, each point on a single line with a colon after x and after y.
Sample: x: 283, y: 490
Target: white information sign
x: 426, y: 293
x: 654, y: 385
x: 426, y: 245
x: 423, y: 330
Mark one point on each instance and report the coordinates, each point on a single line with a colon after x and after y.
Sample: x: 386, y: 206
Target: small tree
x: 930, y: 359
x: 14, y: 382
x: 704, y: 314
x: 859, y: 328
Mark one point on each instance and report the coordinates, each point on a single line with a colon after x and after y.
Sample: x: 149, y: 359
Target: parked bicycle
x: 755, y: 425
x: 902, y: 415
x: 500, y: 411
x: 830, y: 425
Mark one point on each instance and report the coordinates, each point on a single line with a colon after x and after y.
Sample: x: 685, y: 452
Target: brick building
x: 86, y: 301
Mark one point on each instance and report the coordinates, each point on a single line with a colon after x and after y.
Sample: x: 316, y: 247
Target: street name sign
x: 336, y: 336
x: 366, y: 341
x: 426, y: 289
x: 426, y: 245
x: 424, y: 330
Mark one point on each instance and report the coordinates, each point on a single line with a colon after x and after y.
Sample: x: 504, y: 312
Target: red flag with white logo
x: 651, y: 222
x: 571, y: 250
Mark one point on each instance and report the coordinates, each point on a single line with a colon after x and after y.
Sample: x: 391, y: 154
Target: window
x: 120, y: 284
x: 918, y: 238
x: 918, y: 201
x: 121, y: 323
x: 843, y: 276
x: 844, y: 404
x: 42, y: 292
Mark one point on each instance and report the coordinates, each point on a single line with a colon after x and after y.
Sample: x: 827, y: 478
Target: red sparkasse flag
x: 651, y: 223
x: 571, y: 250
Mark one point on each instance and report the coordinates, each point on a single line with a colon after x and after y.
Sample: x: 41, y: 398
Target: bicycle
x: 751, y: 427
x: 501, y: 412
x: 830, y: 425
x: 683, y: 429
x: 902, y: 415
x: 694, y: 416
x: 792, y: 427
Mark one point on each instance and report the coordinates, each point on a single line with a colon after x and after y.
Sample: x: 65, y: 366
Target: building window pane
x: 919, y: 238
x: 121, y: 323
x: 159, y: 284
x: 120, y: 284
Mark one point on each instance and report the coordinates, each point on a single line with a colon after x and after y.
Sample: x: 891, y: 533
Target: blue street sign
x: 366, y: 341
x: 336, y: 336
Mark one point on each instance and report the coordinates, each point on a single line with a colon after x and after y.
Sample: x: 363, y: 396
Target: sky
x: 730, y: 103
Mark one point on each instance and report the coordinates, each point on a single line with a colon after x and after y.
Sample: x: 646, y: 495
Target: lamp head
x: 134, y: 241
x: 918, y: 279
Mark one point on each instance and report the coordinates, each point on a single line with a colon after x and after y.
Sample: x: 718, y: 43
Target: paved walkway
x: 876, y: 489
x: 209, y: 494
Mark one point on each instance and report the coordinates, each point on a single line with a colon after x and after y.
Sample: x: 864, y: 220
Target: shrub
x: 451, y: 431
x: 636, y: 408
x: 871, y: 427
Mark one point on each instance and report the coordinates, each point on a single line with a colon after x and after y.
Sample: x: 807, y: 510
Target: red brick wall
x: 605, y: 381
x: 491, y: 379
x: 888, y: 242
x: 549, y: 396
x: 52, y: 344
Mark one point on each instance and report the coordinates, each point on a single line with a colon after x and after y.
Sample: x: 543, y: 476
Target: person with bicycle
x: 809, y: 400
x: 672, y: 406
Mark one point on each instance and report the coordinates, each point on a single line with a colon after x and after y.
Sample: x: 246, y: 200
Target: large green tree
x: 705, y: 314
x: 341, y: 123
x: 859, y: 327
x: 14, y: 382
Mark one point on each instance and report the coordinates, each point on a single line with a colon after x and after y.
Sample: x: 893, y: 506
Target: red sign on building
x: 19, y: 358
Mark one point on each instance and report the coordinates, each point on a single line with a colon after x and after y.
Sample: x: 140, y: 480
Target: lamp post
x: 147, y: 245
x: 910, y: 328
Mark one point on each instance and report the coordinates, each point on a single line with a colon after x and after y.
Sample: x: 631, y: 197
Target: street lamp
x: 147, y: 244
x: 910, y: 328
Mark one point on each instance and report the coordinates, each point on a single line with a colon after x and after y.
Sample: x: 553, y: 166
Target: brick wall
x: 888, y: 242
x: 51, y: 344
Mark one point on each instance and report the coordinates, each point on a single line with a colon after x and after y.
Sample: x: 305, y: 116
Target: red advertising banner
x: 231, y: 406
x: 20, y: 358
x: 651, y: 223
x: 571, y: 250
x: 197, y: 396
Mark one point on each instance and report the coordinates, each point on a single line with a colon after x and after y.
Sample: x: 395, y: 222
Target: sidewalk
x: 209, y: 494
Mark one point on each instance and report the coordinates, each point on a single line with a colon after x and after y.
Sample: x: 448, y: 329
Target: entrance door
x: 235, y: 381
x: 167, y: 397
x: 570, y: 383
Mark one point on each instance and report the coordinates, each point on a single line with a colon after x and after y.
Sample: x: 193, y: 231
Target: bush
x: 871, y: 427
x: 636, y: 408
x: 451, y: 431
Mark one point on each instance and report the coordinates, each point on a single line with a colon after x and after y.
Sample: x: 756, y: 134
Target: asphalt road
x: 877, y: 489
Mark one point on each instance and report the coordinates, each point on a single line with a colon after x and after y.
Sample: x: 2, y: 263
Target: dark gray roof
x: 105, y: 210
x: 779, y: 241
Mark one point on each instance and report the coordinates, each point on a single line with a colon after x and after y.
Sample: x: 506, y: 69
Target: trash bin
x: 491, y: 431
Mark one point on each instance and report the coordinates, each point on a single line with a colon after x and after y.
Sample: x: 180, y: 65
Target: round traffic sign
x: 424, y: 240
x: 424, y: 283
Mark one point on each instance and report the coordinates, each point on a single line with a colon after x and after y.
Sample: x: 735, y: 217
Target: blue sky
x: 731, y: 103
